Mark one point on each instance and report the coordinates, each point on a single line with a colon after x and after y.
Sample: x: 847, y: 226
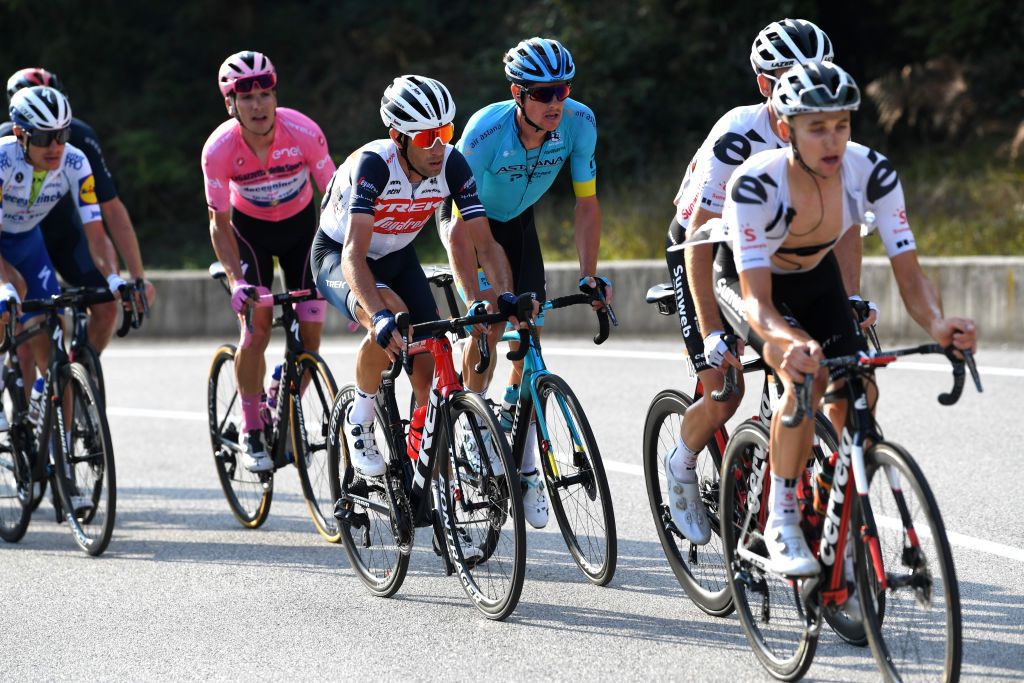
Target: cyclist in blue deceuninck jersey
x: 515, y: 149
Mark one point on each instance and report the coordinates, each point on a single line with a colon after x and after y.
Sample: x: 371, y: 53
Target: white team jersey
x: 74, y: 176
x: 757, y: 210
x: 740, y: 134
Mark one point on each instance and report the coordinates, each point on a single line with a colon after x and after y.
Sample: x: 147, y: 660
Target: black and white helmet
x: 539, y: 60
x: 413, y: 103
x: 781, y: 44
x: 40, y: 108
x: 815, y: 87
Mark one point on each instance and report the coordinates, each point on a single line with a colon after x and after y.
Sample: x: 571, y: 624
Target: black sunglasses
x: 43, y: 138
x: 547, y: 93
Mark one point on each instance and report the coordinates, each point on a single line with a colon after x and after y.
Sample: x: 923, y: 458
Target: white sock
x: 530, y: 452
x: 362, y: 408
x: 683, y: 462
x: 783, y: 508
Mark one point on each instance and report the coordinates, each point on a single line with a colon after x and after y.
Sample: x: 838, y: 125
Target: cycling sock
x: 251, y: 418
x: 684, y: 462
x: 362, y: 408
x: 530, y: 451
x: 783, y: 509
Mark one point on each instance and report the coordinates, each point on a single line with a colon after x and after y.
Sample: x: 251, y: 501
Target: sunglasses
x: 263, y: 82
x: 43, y: 138
x: 425, y: 139
x: 547, y: 93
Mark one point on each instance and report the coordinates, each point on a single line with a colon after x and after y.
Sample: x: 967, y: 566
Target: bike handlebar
x: 12, y: 318
x: 729, y: 387
x: 603, y: 315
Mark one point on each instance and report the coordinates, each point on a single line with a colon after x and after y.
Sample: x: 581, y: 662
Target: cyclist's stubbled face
x: 821, y: 139
x: 547, y: 115
x: 46, y: 158
x: 256, y: 110
x: 426, y: 162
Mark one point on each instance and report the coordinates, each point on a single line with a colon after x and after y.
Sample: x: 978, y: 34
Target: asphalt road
x: 183, y: 592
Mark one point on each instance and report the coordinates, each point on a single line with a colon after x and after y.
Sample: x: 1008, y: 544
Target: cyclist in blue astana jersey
x: 516, y: 149
x: 739, y: 135
x: 67, y: 243
x: 38, y: 167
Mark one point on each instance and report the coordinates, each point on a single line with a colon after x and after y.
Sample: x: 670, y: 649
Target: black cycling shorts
x: 522, y: 246
x: 399, y: 271
x: 289, y: 240
x: 814, y: 301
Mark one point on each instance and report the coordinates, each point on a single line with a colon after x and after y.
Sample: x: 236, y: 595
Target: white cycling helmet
x: 815, y: 87
x: 40, y: 107
x: 414, y: 103
x: 539, y: 60
x: 781, y: 44
x: 242, y: 65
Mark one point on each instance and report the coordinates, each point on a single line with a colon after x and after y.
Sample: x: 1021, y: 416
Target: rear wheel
x: 766, y: 603
x: 576, y: 481
x: 248, y: 494
x: 90, y: 360
x: 84, y: 462
x: 15, y: 472
x: 310, y: 416
x: 914, y: 626
x: 367, y: 525
x: 700, y: 569
x: 481, y: 514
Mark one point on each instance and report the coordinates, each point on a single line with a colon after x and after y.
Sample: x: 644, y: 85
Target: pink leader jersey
x: 235, y: 177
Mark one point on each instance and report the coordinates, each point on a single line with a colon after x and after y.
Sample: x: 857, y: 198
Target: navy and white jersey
x: 758, y: 212
x: 371, y: 181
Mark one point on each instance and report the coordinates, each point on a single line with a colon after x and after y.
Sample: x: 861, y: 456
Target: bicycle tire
x: 15, y: 471
x: 493, y: 585
x: 85, y: 471
x: 700, y: 570
x: 310, y: 416
x: 576, y: 481
x: 90, y: 359
x: 785, y: 649
x: 249, y: 496
x: 368, y: 535
x: 895, y: 618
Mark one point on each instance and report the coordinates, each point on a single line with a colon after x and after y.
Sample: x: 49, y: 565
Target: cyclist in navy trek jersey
x: 516, y: 149
x: 67, y: 239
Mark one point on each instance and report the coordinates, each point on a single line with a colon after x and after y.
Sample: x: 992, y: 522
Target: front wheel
x: 700, y: 569
x: 83, y: 461
x: 309, y: 416
x: 481, y: 509
x: 248, y: 494
x: 15, y: 471
x: 914, y: 625
x: 576, y: 481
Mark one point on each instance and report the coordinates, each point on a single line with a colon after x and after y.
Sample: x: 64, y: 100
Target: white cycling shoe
x: 469, y: 444
x: 688, y: 511
x: 254, y: 454
x: 535, y: 502
x: 788, y: 553
x: 363, y: 452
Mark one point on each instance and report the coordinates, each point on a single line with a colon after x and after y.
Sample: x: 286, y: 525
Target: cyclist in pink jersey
x: 258, y: 167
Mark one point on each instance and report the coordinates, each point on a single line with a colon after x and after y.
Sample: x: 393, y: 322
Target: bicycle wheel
x: 248, y: 494
x: 485, y: 514
x: 576, y: 481
x: 366, y: 522
x: 84, y: 461
x: 767, y: 604
x: 15, y: 473
x: 310, y: 416
x: 90, y: 359
x: 700, y: 569
x: 914, y: 626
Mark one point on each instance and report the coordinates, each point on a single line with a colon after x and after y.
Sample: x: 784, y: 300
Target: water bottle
x: 419, y: 417
x: 275, y: 385
x: 35, y: 403
x: 823, y: 484
x: 508, y: 407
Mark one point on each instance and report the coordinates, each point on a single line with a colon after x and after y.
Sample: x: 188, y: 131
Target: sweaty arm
x: 849, y: 251
x: 587, y: 225
x: 353, y: 262
x: 115, y: 214
x: 700, y: 276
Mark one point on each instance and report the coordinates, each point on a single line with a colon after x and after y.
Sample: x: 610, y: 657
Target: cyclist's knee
x: 105, y: 313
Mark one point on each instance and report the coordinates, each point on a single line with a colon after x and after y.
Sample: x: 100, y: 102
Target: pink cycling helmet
x: 243, y: 66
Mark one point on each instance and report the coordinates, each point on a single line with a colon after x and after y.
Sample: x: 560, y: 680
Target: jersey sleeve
x: 884, y: 195
x: 462, y: 184
x: 216, y: 180
x: 748, y: 213
x: 89, y: 143
x: 369, y: 177
x: 83, y: 182
x: 318, y: 157
x: 583, y: 160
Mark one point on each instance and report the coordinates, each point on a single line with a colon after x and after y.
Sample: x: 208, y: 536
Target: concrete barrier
x: 988, y: 289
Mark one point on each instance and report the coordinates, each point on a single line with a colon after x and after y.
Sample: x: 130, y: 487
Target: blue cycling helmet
x: 539, y: 60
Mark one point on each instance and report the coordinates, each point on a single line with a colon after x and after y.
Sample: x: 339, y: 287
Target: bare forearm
x: 921, y: 298
x: 123, y: 234
x: 226, y: 247
x: 463, y: 259
x: 495, y: 265
x: 849, y: 252
x: 700, y: 275
x: 587, y: 225
x: 361, y: 280
x: 100, y: 248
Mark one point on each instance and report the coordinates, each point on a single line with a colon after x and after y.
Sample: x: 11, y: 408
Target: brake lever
x: 803, y: 403
x: 729, y: 387
x: 127, y: 309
